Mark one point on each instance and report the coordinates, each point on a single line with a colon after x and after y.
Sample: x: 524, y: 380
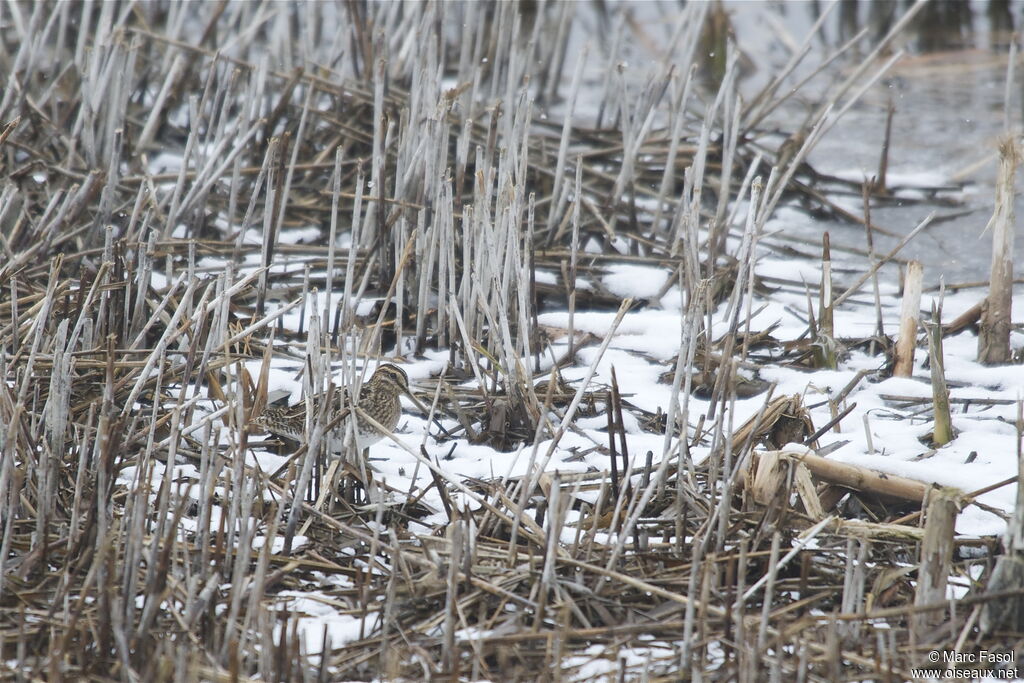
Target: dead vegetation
x: 431, y: 159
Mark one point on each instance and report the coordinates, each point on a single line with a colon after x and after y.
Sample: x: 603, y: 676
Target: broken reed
x: 131, y: 351
x: 994, y: 328
x: 906, y: 343
x: 825, y: 345
x: 943, y: 432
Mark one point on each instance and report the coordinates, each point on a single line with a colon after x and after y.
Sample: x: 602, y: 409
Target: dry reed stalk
x: 879, y: 184
x: 825, y: 347
x: 861, y: 478
x: 994, y: 328
x: 906, y: 343
x: 869, y: 234
x: 943, y: 432
x: 936, y: 555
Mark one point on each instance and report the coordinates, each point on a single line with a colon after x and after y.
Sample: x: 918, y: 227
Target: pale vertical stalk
x: 994, y: 329
x: 869, y: 232
x: 769, y: 591
x: 269, y: 241
x: 425, y: 270
x: 331, y: 243
x: 559, y: 47
x: 403, y: 239
x: 936, y: 556
x: 377, y: 166
x: 557, y: 196
x: 573, y: 258
x: 909, y: 315
x: 943, y: 432
x: 444, y: 244
x: 1011, y: 62
x: 353, y: 255
x: 825, y: 348
x: 314, y: 425
x: 691, y: 602
x: 719, y: 228
x: 449, y: 653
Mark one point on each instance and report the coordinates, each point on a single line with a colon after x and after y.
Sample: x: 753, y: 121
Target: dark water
x: 948, y: 97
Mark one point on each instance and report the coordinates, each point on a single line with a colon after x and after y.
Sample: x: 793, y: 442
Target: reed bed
x: 406, y: 179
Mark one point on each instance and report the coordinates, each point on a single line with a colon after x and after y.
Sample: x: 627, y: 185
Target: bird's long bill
x: 419, y: 404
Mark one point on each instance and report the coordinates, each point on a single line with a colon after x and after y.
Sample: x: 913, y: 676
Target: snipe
x: 378, y: 398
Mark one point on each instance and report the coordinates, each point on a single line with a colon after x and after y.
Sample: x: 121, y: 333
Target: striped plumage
x: 378, y: 397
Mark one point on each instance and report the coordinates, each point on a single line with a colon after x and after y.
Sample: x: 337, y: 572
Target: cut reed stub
x: 936, y: 557
x: 903, y: 364
x: 943, y: 432
x: 994, y: 332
